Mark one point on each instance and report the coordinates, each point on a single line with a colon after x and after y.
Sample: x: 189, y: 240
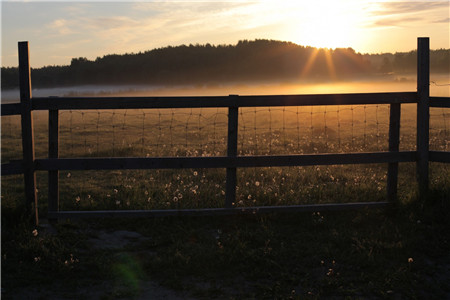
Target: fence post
x: 233, y: 114
x: 27, y: 130
x: 53, y: 152
x: 394, y: 142
x: 423, y: 112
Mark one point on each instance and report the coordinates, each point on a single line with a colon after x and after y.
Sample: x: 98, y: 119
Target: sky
x: 58, y: 31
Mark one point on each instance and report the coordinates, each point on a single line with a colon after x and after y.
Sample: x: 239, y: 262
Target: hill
x: 258, y: 60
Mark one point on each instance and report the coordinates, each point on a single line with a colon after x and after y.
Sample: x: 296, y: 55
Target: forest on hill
x: 247, y: 61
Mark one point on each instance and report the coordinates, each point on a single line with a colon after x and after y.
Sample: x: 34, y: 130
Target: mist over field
x: 395, y: 84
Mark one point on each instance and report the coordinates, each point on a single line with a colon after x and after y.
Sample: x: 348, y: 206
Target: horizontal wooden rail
x: 136, y: 163
x: 10, y: 109
x: 215, y: 211
x: 440, y: 102
x: 12, y: 168
x: 439, y: 156
x: 79, y: 103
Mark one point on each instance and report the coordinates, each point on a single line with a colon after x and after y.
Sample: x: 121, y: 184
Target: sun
x: 325, y: 24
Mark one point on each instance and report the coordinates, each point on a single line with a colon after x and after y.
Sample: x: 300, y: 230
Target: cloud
x: 397, y: 21
x: 405, y: 14
x: 396, y: 8
x: 106, y: 23
x: 445, y: 20
x: 61, y: 26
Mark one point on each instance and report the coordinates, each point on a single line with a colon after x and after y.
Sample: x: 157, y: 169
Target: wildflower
x: 68, y: 175
x: 116, y: 191
x: 175, y: 199
x: 36, y: 259
x: 410, y: 260
x: 117, y: 202
x: 257, y: 183
x: 195, y: 173
x: 35, y: 232
x: 77, y: 199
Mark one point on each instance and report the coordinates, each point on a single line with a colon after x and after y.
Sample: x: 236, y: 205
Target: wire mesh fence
x: 203, y: 132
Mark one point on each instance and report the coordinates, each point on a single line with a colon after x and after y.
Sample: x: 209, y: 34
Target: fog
x: 399, y: 84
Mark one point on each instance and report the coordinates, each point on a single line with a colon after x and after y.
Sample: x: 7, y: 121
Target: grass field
x: 398, y: 253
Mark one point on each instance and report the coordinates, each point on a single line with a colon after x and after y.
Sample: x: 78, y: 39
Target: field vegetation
x: 401, y: 252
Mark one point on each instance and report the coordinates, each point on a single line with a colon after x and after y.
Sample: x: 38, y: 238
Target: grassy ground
x: 401, y: 252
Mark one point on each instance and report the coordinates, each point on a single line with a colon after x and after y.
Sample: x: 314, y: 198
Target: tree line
x: 257, y: 60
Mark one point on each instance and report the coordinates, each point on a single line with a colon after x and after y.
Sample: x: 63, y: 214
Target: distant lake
x: 400, y: 84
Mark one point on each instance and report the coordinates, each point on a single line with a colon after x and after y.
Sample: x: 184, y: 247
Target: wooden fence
x: 53, y: 164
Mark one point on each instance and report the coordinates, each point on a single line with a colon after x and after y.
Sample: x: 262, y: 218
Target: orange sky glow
x: 59, y: 30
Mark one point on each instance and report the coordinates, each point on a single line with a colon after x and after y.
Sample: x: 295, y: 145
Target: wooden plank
x: 65, y: 103
x: 394, y: 143
x: 136, y: 163
x: 53, y: 152
x: 12, y: 168
x: 325, y: 159
x: 440, y: 102
x: 423, y: 112
x: 11, y: 109
x: 439, y: 156
x: 133, y: 163
x: 27, y: 129
x: 230, y: 190
x: 217, y: 211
